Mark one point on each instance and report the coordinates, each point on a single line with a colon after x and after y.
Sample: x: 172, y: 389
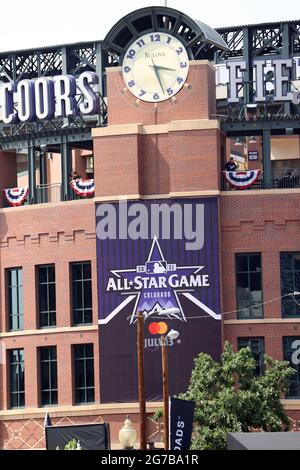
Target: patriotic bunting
x: 16, y: 196
x: 242, y: 179
x: 83, y: 188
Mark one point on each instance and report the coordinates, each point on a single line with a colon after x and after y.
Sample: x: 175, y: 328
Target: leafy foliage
x: 229, y: 398
x: 72, y: 445
x: 158, y: 415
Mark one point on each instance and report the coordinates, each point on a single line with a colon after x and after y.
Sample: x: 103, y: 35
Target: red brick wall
x: 8, y: 173
x: 195, y: 160
x: 157, y: 163
x: 116, y: 165
x: 79, y: 163
x: 30, y: 434
x: 176, y: 161
x: 272, y: 333
x: 30, y: 236
x: 265, y: 223
x: 63, y: 342
x: 189, y: 104
x: 268, y: 224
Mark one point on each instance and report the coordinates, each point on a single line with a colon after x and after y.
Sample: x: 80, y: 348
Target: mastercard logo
x: 160, y: 328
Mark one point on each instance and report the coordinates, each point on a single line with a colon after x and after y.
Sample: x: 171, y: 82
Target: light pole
x: 141, y: 379
x: 172, y: 335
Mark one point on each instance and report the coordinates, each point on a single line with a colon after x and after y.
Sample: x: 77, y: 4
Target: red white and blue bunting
x: 242, y: 179
x: 16, y: 196
x: 83, y: 188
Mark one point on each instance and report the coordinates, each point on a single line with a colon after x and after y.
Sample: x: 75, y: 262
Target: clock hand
x: 164, y: 68
x: 157, y: 76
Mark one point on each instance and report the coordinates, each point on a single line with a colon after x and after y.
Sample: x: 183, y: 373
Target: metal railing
x: 287, y: 178
x: 281, y: 179
x: 48, y: 193
x: 53, y: 193
x: 73, y: 196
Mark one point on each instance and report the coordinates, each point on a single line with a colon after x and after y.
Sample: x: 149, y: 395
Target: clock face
x: 155, y: 67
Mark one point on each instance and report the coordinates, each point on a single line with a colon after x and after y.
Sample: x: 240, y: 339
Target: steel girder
x: 266, y: 42
x: 271, y: 40
x: 250, y: 42
x: 48, y: 62
x: 70, y: 59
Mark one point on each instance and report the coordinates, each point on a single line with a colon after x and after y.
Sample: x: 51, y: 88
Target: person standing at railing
x: 231, y: 165
x: 74, y: 176
x: 285, y: 180
x: 295, y: 178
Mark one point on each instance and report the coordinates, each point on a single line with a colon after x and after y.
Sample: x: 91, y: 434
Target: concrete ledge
x: 292, y: 404
x: 84, y: 410
x: 47, y: 205
x: 107, y: 409
x: 49, y: 331
x: 116, y: 198
x: 113, y: 69
x: 255, y: 192
x: 153, y: 129
x: 193, y: 125
x: 119, y: 129
x: 195, y: 193
x: 140, y: 129
x: 263, y: 321
x: 212, y: 192
x: 141, y: 197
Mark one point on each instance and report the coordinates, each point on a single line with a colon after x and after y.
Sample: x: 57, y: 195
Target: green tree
x: 229, y: 398
x: 73, y: 445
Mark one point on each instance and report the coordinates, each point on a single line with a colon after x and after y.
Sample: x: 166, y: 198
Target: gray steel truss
x: 249, y: 43
x: 280, y: 40
x: 70, y: 59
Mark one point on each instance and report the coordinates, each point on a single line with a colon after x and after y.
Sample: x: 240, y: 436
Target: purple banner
x: 161, y: 257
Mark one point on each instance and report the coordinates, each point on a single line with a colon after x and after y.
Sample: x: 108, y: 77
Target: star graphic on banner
x: 155, y: 296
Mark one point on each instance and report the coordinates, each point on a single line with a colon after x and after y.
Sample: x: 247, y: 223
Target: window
x: 290, y: 282
x: 48, y: 375
x: 15, y: 298
x: 84, y: 373
x: 47, y: 296
x: 17, y: 385
x: 257, y: 346
x: 291, y: 353
x: 82, y: 293
x: 249, y: 285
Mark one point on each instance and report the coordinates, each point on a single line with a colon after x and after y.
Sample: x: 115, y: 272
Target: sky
x: 34, y: 23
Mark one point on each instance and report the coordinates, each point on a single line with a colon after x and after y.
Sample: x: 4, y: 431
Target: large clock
x: 155, y: 67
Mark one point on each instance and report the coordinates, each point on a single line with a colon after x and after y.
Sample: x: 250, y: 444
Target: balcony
x: 49, y: 193
x: 281, y: 179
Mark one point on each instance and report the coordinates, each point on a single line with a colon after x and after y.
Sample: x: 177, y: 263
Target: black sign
x: 181, y: 423
x: 88, y: 436
x: 253, y: 155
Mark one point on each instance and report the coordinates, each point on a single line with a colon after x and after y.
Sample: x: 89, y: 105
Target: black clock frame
x: 197, y: 37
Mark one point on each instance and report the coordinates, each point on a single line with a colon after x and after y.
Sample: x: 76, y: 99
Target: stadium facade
x: 115, y: 199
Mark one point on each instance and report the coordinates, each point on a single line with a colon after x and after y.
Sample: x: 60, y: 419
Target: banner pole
x: 165, y: 377
x: 141, y: 380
